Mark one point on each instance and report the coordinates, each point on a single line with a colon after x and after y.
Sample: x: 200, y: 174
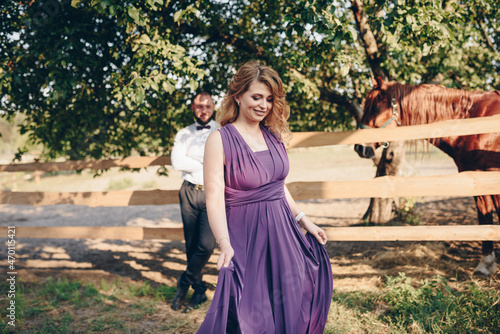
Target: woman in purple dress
x: 273, y: 278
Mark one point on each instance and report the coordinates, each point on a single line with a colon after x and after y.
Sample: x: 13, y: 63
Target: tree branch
x: 343, y: 101
x: 369, y: 42
x: 485, y: 32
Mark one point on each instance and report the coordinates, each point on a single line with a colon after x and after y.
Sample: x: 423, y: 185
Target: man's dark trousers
x: 200, y: 241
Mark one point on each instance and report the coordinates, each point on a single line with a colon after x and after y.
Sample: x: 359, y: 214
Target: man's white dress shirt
x: 187, y: 152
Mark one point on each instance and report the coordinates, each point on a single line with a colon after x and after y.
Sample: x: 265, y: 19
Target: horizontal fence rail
x: 130, y: 162
x: 92, y: 232
x: 382, y: 233
x: 414, y: 233
x: 454, y: 185
x: 300, y: 139
x: 91, y: 198
x: 453, y: 128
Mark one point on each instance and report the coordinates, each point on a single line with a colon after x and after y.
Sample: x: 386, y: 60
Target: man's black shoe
x: 196, y: 300
x: 178, y: 299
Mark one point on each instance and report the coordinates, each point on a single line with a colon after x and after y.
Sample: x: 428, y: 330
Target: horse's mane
x: 428, y: 103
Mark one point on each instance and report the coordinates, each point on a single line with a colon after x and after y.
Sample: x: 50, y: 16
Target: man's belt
x: 199, y: 187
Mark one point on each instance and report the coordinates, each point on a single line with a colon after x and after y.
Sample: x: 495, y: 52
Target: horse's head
x: 381, y: 111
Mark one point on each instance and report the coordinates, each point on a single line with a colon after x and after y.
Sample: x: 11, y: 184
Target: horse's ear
x: 380, y: 83
x: 374, y: 83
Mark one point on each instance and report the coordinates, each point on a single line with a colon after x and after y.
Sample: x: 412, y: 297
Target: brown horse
x: 391, y: 104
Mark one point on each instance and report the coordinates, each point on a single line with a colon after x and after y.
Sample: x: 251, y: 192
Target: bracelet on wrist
x: 220, y: 240
x: 299, y: 217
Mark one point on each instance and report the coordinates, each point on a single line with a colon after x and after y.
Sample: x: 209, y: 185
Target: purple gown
x: 279, y: 280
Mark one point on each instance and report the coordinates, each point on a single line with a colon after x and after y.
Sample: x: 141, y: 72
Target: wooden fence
x: 460, y: 184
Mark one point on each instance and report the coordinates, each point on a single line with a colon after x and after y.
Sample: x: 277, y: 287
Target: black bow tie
x: 201, y: 127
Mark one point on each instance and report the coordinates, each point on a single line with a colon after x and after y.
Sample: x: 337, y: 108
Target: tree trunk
x: 389, y: 162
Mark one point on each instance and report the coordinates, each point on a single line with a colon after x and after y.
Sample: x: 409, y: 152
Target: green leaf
x: 426, y: 48
x: 201, y: 74
x: 168, y: 87
x: 154, y: 85
x: 344, y: 70
x: 133, y: 13
x: 104, y: 4
x: 75, y: 3
x: 193, y: 84
x: 353, y: 34
x: 178, y: 15
x: 337, y: 42
x: 140, y: 95
x: 145, y: 39
x: 128, y: 103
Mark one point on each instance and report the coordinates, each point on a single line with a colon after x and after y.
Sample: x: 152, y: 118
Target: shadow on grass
x: 72, y: 306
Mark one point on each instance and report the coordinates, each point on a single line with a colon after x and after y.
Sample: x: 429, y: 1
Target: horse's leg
x: 485, y: 207
x: 496, y: 203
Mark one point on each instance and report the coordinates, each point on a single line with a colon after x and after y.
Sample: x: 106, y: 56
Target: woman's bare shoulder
x: 215, y: 138
x: 214, y: 144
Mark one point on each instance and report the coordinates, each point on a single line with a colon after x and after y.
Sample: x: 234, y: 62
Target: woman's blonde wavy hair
x: 250, y: 72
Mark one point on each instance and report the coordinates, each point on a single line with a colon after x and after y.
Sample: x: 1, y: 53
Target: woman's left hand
x: 314, y: 230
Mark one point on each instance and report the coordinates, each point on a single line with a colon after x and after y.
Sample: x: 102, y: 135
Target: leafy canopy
x: 107, y: 78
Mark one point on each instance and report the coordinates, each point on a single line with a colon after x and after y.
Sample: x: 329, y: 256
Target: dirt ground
x: 356, y: 265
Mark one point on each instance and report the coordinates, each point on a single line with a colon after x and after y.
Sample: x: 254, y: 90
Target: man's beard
x: 201, y: 122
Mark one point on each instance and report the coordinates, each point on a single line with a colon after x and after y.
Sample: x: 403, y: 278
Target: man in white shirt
x: 187, y: 156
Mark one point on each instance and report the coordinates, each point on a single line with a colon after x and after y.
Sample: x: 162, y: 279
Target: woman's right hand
x: 226, y: 254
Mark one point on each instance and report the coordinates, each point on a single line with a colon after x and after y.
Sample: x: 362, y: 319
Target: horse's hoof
x: 481, y: 270
x: 493, y: 269
x: 487, y: 266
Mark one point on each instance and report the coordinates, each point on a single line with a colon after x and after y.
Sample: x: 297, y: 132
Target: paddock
x: 106, y: 230
x: 76, y: 245
x: 460, y: 184
x: 153, y: 249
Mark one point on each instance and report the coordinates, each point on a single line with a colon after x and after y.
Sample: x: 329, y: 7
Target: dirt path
x: 356, y: 265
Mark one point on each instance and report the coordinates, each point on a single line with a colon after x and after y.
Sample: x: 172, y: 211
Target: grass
x: 432, y: 307
x: 406, y: 211
x: 151, y: 184
x: 401, y: 306
x: 72, y: 306
x: 120, y: 184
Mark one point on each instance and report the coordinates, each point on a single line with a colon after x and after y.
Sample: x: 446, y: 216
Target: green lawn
x: 123, y: 306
